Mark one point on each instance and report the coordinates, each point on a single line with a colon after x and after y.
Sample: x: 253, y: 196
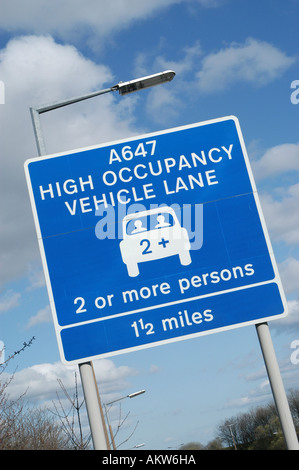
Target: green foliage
x: 258, y: 429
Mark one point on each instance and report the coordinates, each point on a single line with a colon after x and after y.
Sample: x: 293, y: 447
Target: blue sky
x: 231, y: 58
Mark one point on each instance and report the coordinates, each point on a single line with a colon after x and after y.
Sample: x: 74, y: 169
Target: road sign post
x: 93, y: 406
x: 277, y: 387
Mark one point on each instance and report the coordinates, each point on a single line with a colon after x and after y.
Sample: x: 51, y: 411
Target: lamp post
x: 123, y: 88
x: 138, y: 445
x: 131, y: 395
x: 91, y: 394
x: 232, y: 435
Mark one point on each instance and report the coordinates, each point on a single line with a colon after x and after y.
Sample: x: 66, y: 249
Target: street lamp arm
x: 35, y: 112
x: 61, y: 104
x: 131, y: 395
x: 122, y: 87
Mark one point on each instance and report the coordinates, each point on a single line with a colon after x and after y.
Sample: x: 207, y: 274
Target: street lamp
x: 231, y: 432
x: 123, y: 88
x: 145, y: 82
x: 131, y: 395
x: 138, y: 445
x: 91, y: 394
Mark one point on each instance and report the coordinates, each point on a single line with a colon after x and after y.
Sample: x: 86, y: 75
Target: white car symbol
x: 151, y: 235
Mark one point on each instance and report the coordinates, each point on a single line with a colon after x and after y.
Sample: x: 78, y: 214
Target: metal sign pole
x: 277, y: 386
x: 93, y: 406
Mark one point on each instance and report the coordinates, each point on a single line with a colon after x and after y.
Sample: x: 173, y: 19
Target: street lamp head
x: 145, y: 82
x: 132, y: 395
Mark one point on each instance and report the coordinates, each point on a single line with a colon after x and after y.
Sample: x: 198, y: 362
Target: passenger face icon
x: 161, y: 221
x: 138, y: 227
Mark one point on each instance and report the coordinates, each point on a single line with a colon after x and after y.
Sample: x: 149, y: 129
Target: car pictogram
x: 151, y: 235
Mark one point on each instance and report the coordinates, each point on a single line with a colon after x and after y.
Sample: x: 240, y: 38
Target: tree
x: 10, y: 412
x: 70, y: 418
x: 71, y: 423
x: 21, y: 426
x: 268, y: 436
x: 192, y: 446
x: 293, y: 398
x: 258, y: 429
x: 215, y: 444
x: 26, y: 428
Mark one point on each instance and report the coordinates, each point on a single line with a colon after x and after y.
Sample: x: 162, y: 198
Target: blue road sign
x: 153, y: 239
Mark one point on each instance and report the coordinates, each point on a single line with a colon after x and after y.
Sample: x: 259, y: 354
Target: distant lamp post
x: 131, y: 395
x: 231, y: 433
x: 137, y: 446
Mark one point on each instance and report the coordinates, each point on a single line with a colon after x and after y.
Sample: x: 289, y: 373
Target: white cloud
x: 43, y: 316
x: 36, y: 277
x: 40, y: 382
x: 293, y: 316
x: 281, y: 207
x: 257, y: 62
x: 282, y: 215
x: 76, y: 18
x: 290, y: 322
x: 37, y: 70
x: 277, y: 160
x: 165, y: 103
x: 190, y: 58
x: 255, y: 396
x: 9, y: 300
x: 289, y: 272
x: 254, y: 62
